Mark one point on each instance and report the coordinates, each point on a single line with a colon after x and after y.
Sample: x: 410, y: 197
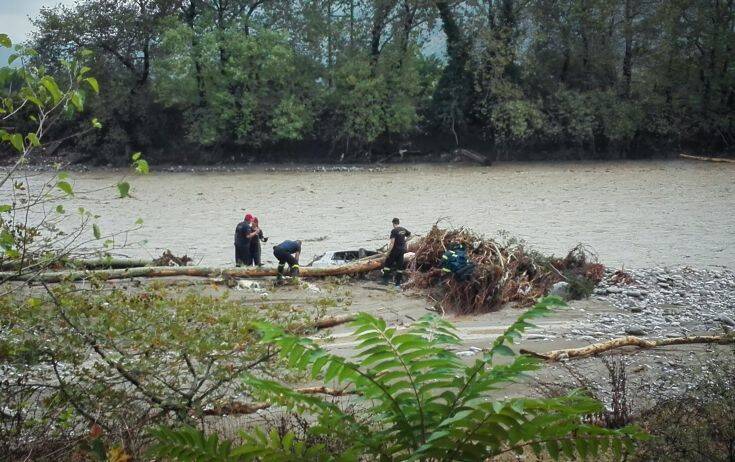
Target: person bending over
x: 397, y: 247
x: 287, y: 252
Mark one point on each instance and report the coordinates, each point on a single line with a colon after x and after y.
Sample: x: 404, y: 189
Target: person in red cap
x: 243, y: 234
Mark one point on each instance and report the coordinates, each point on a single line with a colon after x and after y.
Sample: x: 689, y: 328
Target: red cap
x: 248, y: 217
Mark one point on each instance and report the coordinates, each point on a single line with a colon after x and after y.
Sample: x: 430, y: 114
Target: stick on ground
x: 629, y: 341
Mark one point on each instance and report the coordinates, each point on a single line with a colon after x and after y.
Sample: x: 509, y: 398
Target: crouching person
x: 287, y: 252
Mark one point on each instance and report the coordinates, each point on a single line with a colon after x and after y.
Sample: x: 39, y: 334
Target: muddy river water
x: 635, y: 214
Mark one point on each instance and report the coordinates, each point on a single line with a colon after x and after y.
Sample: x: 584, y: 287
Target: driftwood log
x: 240, y: 408
x: 473, y: 155
x: 358, y: 267
x: 101, y: 263
x: 629, y: 341
x: 709, y: 159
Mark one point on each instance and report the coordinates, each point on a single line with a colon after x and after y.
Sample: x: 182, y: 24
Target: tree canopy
x: 205, y: 80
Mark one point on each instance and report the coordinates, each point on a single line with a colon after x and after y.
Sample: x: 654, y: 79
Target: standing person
x: 287, y: 252
x: 396, y: 249
x: 243, y: 234
x: 255, y: 250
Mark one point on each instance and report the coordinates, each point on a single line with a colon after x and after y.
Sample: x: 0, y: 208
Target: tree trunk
x: 628, y: 56
x: 191, y: 15
x: 101, y: 263
x: 362, y: 266
x: 602, y: 347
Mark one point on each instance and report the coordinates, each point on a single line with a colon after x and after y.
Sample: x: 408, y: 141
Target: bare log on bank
x: 94, y: 264
x: 473, y: 156
x: 333, y: 321
x: 239, y: 408
x: 708, y: 159
x: 362, y: 266
x: 629, y: 341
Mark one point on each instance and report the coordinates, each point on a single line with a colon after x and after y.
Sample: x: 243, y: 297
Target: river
x: 633, y: 214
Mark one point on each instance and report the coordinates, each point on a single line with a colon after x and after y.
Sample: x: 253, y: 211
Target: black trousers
x: 255, y: 251
x: 394, y: 263
x: 242, y: 255
x: 284, y: 258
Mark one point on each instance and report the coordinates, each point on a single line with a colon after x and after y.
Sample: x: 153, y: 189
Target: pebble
x: 635, y: 330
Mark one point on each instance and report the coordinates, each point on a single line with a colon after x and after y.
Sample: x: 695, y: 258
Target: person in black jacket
x: 243, y: 234
x: 394, y: 262
x: 287, y: 252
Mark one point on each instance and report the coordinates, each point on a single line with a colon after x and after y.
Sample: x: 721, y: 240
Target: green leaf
x: 60, y: 209
x: 76, y: 100
x: 12, y: 58
x: 66, y: 187
x: 141, y: 166
x: 136, y: 156
x: 85, y: 53
x: 16, y: 139
x: 50, y: 85
x: 96, y: 231
x: 5, y: 41
x: 63, y: 175
x: 5, y: 208
x: 124, y: 189
x: 139, y: 221
x: 503, y: 350
x: 33, y: 139
x: 96, y: 123
x: 92, y: 82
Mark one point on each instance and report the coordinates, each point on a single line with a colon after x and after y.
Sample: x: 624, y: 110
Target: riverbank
x: 147, y: 343
x: 70, y: 162
x: 659, y: 302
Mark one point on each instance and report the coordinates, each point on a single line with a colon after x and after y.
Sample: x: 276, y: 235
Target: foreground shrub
x: 421, y: 401
x: 697, y: 426
x: 121, y: 362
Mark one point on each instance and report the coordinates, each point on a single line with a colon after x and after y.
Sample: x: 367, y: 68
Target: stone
x: 726, y: 320
x: 560, y: 289
x: 636, y: 309
x: 635, y: 330
x: 634, y: 293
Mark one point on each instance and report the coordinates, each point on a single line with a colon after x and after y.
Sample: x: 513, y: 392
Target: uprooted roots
x: 503, y: 273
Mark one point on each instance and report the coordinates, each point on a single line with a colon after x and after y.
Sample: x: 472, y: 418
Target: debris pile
x: 167, y: 258
x: 503, y: 273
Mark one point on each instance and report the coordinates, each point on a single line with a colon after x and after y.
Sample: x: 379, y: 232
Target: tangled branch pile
x: 167, y: 258
x: 503, y: 272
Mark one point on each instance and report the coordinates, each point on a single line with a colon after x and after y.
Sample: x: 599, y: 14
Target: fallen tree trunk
x: 333, y: 321
x: 602, y: 347
x: 473, y: 155
x: 238, y: 408
x: 192, y: 271
x: 101, y: 263
x: 709, y: 159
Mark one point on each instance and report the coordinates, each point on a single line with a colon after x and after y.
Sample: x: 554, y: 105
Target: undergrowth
x: 422, y: 402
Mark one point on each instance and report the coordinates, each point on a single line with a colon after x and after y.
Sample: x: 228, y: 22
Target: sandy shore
x: 649, y: 308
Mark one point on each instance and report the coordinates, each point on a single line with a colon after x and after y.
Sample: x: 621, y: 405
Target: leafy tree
x: 251, y: 76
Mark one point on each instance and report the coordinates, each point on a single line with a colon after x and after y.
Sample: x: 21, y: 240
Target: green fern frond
x: 189, y: 444
x: 427, y: 404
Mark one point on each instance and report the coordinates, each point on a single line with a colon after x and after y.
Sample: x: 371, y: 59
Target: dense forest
x: 204, y: 81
